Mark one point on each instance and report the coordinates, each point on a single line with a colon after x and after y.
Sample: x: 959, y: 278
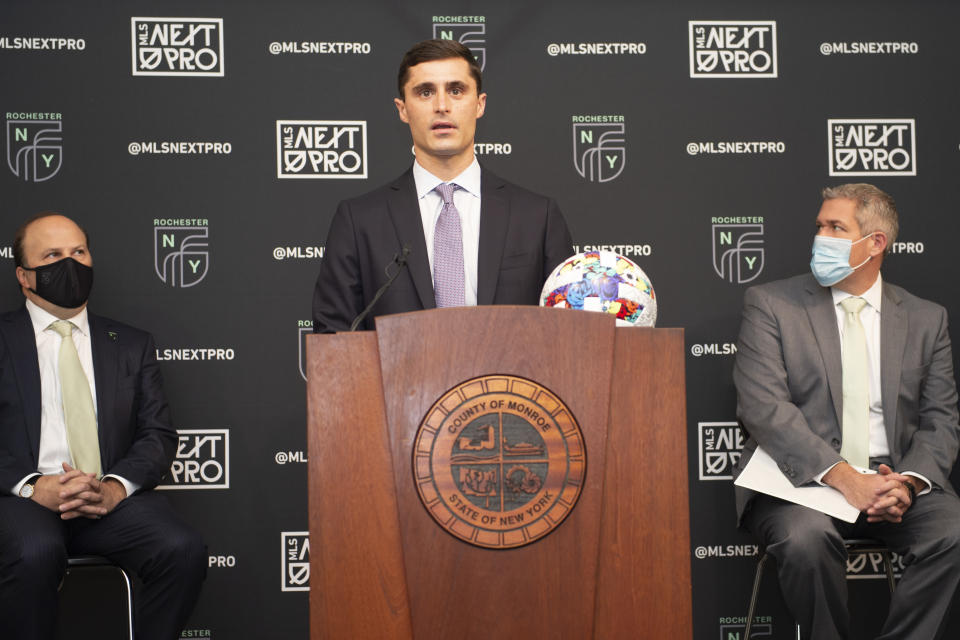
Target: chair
x: 855, y: 546
x: 73, y: 590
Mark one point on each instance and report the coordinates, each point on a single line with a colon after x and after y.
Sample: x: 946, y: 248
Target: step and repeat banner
x: 205, y: 145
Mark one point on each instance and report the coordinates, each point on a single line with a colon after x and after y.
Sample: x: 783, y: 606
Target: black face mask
x: 65, y: 283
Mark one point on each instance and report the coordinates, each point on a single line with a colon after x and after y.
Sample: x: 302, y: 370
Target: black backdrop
x: 691, y: 137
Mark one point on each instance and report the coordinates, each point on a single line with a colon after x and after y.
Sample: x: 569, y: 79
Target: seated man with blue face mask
x: 847, y: 381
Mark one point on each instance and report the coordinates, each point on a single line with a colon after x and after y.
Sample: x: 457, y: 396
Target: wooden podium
x: 617, y: 566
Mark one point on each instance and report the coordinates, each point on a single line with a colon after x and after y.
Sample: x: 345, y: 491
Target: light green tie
x: 78, y: 410
x: 856, y: 386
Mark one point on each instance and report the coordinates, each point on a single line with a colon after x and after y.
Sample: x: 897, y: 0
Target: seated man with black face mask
x: 85, y: 434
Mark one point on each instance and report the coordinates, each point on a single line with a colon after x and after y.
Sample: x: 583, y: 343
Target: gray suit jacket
x: 789, y: 382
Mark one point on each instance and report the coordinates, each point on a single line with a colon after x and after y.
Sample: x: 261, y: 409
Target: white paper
x: 762, y: 474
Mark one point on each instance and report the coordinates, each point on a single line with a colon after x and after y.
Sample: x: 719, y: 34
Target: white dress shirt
x: 467, y: 201
x: 870, y: 319
x: 53, y: 430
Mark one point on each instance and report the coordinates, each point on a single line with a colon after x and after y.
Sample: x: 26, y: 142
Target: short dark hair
x: 22, y: 232
x: 437, y: 50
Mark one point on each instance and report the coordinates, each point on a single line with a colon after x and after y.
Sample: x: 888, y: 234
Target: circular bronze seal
x: 499, y: 461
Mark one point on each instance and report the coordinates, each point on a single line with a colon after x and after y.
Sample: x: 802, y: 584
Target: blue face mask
x: 831, y: 259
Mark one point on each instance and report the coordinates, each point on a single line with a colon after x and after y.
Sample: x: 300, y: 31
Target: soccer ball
x: 606, y: 282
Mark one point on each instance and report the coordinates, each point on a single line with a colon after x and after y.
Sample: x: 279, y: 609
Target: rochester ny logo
x: 180, y: 247
x: 470, y: 31
x: 720, y: 446
x: 870, y: 147
x: 294, y: 560
x: 321, y: 149
x: 304, y: 329
x: 733, y: 48
x: 733, y: 627
x: 202, y: 460
x: 177, y: 46
x: 599, y: 147
x: 34, y: 145
x: 738, y: 247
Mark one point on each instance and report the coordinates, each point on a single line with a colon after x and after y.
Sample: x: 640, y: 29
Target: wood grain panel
x: 357, y: 582
x: 644, y: 588
x: 542, y: 590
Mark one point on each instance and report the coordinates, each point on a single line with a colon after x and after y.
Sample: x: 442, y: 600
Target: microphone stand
x: 400, y: 259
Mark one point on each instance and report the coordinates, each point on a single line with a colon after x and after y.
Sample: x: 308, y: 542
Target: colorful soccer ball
x: 606, y: 282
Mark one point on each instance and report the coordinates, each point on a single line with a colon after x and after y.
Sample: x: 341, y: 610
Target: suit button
x: 836, y: 444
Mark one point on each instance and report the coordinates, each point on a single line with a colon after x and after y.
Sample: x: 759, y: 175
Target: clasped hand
x: 882, y: 496
x: 75, y: 494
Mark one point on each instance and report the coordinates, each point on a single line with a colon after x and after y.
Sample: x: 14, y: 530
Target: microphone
x: 399, y: 259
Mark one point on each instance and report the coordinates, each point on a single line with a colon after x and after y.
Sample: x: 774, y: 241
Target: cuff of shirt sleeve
x: 16, y: 489
x: 129, y: 486
x: 917, y: 475
x: 819, y: 477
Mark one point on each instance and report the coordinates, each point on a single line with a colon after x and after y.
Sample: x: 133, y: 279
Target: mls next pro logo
x: 34, y: 145
x: 599, y: 147
x: 177, y: 46
x: 294, y: 561
x: 322, y: 149
x: 733, y: 49
x: 720, y: 444
x: 470, y: 31
x: 181, y: 256
x: 202, y: 460
x: 871, y: 147
x: 738, y: 248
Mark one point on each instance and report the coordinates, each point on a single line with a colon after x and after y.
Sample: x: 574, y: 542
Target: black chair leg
x: 888, y: 565
x: 753, y: 596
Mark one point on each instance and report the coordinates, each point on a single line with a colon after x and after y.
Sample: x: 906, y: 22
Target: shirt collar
x: 468, y: 180
x: 873, y: 295
x: 42, y: 319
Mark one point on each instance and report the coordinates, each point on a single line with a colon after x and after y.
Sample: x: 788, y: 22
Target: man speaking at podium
x: 451, y: 232
x: 838, y: 372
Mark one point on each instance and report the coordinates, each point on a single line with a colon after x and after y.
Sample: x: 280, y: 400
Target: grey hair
x: 876, y: 210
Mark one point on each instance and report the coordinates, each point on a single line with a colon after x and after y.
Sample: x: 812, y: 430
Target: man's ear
x: 878, y: 243
x: 22, y: 277
x: 401, y: 109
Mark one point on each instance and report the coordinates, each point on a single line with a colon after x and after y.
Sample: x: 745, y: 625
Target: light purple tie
x: 448, y: 252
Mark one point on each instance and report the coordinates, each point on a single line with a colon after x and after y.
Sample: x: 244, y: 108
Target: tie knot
x: 853, y: 305
x: 446, y: 189
x: 63, y: 327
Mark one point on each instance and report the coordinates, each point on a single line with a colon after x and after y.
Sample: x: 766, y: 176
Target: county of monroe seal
x: 499, y: 461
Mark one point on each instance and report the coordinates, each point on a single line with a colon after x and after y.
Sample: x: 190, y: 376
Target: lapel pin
x: 113, y: 335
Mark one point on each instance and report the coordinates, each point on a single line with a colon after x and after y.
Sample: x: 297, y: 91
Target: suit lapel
x: 104, y: 347
x: 893, y: 341
x: 823, y: 318
x: 405, y: 212
x: 494, y: 214
x: 22, y: 343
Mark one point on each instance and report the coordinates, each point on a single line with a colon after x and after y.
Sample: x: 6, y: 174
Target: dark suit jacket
x: 523, y: 236
x: 137, y: 440
x: 790, y: 384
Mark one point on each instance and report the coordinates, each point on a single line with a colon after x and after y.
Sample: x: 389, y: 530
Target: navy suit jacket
x: 137, y: 440
x: 523, y: 236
